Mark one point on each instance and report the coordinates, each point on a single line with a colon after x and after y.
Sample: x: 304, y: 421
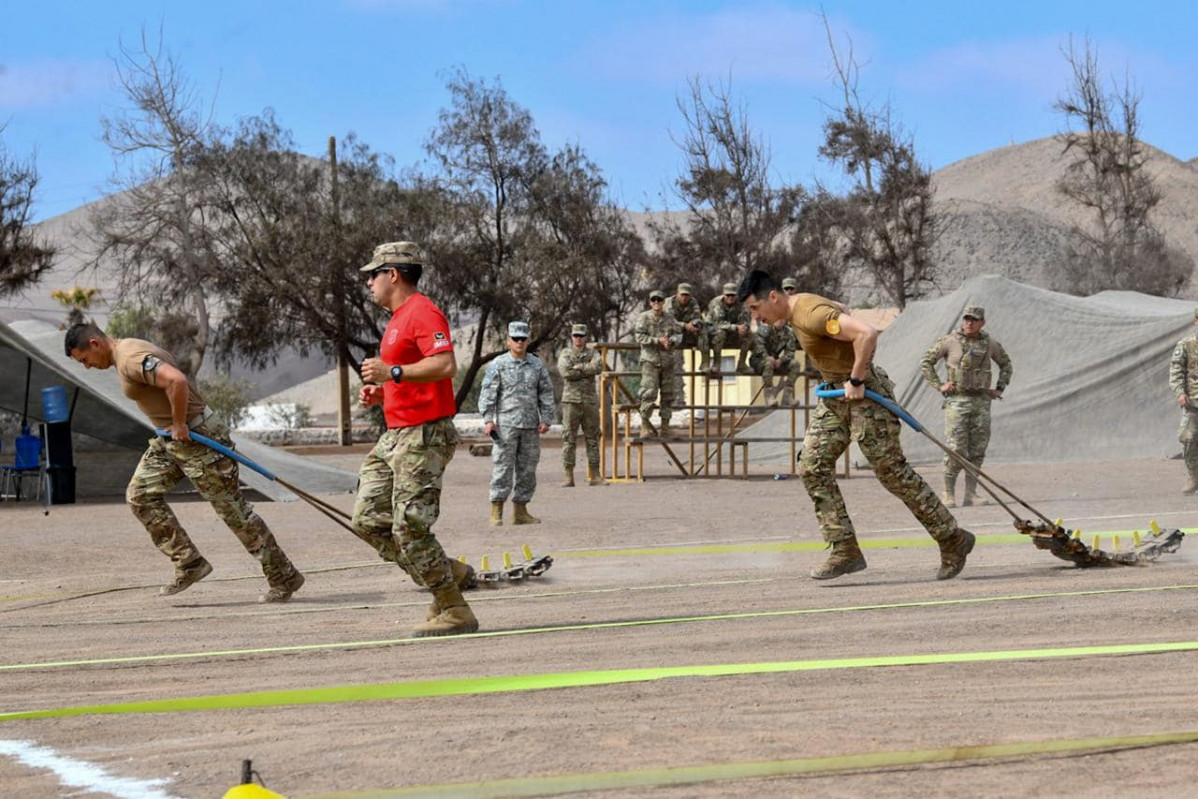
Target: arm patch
x: 148, y: 366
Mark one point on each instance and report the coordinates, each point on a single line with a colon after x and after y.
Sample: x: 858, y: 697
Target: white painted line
x: 79, y: 774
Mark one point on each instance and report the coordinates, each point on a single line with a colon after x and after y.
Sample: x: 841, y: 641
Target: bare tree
x: 1108, y: 176
x: 23, y: 258
x: 156, y: 229
x: 885, y: 220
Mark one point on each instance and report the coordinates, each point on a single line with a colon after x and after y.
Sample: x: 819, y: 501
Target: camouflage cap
x: 395, y: 253
x: 578, y: 330
x: 790, y: 283
x: 976, y: 311
x: 686, y: 288
x: 517, y: 329
x: 656, y: 295
x: 730, y: 288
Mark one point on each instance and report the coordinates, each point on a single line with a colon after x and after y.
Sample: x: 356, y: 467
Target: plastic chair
x: 28, y: 463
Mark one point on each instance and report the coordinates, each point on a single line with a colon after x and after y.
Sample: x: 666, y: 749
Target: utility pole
x: 344, y: 422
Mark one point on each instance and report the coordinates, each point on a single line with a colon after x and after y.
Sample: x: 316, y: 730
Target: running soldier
x: 686, y: 311
x: 842, y: 349
x: 516, y: 403
x: 728, y: 323
x: 578, y: 367
x: 150, y: 377
x: 967, y: 353
x: 659, y: 335
x: 399, y: 484
x: 1183, y: 379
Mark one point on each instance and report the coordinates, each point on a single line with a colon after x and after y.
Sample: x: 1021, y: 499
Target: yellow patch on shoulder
x: 832, y: 326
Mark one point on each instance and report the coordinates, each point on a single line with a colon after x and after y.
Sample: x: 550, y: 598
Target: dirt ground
x: 48, y: 563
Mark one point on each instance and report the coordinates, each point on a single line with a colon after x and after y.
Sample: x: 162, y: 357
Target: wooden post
x: 345, y: 434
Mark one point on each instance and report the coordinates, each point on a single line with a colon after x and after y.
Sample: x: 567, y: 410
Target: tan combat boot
x: 520, y: 514
x: 950, y: 488
x: 1192, y: 486
x: 463, y: 575
x: 187, y: 577
x: 568, y: 479
x: 971, y: 493
x: 497, y: 513
x: 594, y: 478
x: 953, y: 551
x: 846, y: 558
x: 455, y: 617
x: 283, y: 591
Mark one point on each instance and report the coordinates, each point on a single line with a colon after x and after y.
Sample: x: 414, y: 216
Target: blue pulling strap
x: 228, y: 453
x: 828, y: 391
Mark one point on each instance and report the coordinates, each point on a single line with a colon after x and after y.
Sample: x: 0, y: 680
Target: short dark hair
x: 79, y: 334
x: 409, y: 272
x: 757, y: 283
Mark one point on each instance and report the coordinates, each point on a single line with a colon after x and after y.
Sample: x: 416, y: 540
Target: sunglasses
x: 791, y: 291
x: 578, y: 335
x: 371, y: 275
x: 656, y: 299
x: 518, y: 338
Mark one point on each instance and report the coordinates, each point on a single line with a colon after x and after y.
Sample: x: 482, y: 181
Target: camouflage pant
x: 966, y: 431
x: 574, y: 416
x: 717, y: 339
x: 164, y: 464
x: 399, y: 499
x: 514, y: 460
x: 658, y: 378
x: 689, y: 341
x: 764, y: 366
x: 834, y: 424
x: 1188, y: 436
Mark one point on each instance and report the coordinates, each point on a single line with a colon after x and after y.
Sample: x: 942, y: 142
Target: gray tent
x: 1091, y: 373
x: 32, y: 358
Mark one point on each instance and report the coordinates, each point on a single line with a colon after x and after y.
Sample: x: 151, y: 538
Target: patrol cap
x: 976, y: 311
x: 395, y: 253
x: 686, y: 288
x: 578, y: 330
x: 790, y: 283
x: 730, y: 288
x: 656, y: 295
x: 517, y: 329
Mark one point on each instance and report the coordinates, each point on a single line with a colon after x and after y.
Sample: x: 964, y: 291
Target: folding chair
x: 29, y: 462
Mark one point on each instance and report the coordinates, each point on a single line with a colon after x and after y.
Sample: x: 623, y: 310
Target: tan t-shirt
x: 810, y: 321
x: 136, y: 361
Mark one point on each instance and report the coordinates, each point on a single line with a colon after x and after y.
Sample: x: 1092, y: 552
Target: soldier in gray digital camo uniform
x: 967, y: 353
x: 516, y: 402
x: 150, y: 377
x: 1183, y: 379
x: 659, y: 335
x: 686, y: 310
x: 728, y: 323
x: 579, y: 366
x: 774, y: 355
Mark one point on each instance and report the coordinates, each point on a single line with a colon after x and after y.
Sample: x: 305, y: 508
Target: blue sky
x: 963, y: 77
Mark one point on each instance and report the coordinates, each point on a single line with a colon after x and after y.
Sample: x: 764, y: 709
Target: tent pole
x: 28, y: 373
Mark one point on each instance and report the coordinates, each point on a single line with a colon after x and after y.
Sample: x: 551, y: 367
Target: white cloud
x: 49, y: 81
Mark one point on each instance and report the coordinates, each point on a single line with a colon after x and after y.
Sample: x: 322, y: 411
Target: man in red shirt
x: 399, y: 486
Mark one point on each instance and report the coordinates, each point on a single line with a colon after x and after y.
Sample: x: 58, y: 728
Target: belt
x: 201, y: 417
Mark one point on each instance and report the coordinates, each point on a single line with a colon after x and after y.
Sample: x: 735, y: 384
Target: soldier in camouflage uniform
x: 967, y: 353
x: 516, y: 401
x: 659, y: 335
x: 686, y: 311
x: 399, y: 484
x: 774, y: 354
x: 728, y: 323
x: 150, y: 377
x: 842, y: 349
x: 1183, y: 379
x: 578, y: 367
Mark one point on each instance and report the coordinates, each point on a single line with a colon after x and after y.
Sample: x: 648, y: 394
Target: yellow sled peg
x: 527, y: 552
x: 1156, y: 528
x: 462, y: 559
x: 1096, y: 542
x: 1135, y: 538
x: 1077, y: 534
x: 485, y: 564
x: 1057, y: 523
x: 251, y: 792
x: 507, y: 560
x: 1115, y: 543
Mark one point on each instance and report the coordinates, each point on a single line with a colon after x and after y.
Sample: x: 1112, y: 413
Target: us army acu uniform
x: 691, y: 313
x: 723, y: 320
x: 517, y: 395
x: 773, y: 341
x: 166, y: 462
x: 966, y: 407
x: 580, y: 405
x: 1183, y: 379
x: 657, y: 362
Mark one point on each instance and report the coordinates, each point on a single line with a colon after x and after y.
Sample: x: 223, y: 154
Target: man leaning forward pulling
x: 842, y: 349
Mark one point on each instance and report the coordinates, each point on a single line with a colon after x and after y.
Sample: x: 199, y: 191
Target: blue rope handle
x: 829, y: 391
x: 228, y: 453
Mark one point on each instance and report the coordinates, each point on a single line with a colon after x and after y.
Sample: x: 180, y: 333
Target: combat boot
x: 953, y: 551
x: 788, y: 395
x: 497, y: 513
x: 283, y: 591
x: 594, y: 478
x: 1191, y: 487
x: 846, y: 558
x: 520, y: 514
x: 971, y: 493
x: 950, y: 488
x: 186, y: 577
x: 568, y: 479
x: 454, y: 618
x: 463, y: 575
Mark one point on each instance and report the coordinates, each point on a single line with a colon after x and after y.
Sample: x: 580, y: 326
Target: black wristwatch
x: 854, y: 382
x: 396, y: 373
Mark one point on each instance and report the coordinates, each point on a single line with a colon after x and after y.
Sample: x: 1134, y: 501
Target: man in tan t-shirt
x: 150, y: 377
x: 842, y: 349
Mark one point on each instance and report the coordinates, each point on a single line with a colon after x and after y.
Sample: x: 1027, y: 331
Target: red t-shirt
x: 417, y: 330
